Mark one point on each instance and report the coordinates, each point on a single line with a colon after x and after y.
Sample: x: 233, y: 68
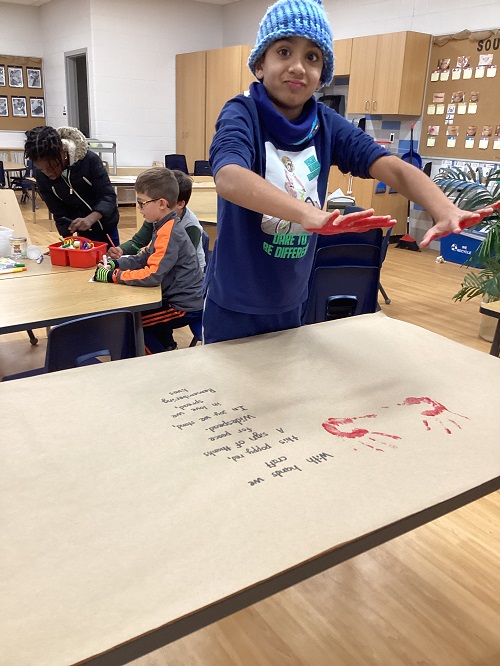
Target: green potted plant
x: 471, y: 190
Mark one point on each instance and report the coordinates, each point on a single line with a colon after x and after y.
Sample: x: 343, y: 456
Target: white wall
x: 133, y: 70
x: 131, y: 50
x: 355, y: 18
x: 19, y: 30
x: 65, y: 26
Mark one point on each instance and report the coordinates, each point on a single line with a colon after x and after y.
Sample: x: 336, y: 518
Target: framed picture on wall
x: 19, y: 107
x: 34, y: 76
x: 37, y: 107
x: 4, y: 108
x: 16, y: 79
x: 2, y: 75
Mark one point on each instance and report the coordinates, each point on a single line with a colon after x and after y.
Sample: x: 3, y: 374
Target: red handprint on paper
x: 372, y: 439
x: 436, y: 414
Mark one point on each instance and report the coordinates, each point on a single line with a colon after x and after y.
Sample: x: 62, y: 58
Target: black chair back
x: 176, y: 161
x: 360, y: 283
x: 202, y: 168
x: 346, y: 266
x: 2, y: 175
x: 205, y: 242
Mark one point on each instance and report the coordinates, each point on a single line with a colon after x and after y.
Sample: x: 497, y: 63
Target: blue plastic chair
x: 176, y: 161
x: 357, y: 254
x: 85, y: 340
x: 376, y: 237
x: 345, y: 275
x: 195, y: 325
x: 360, y: 283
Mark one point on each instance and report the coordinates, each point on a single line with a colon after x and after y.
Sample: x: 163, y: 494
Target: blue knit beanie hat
x: 296, y: 18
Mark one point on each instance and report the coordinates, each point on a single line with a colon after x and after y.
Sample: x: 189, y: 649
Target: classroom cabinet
x: 364, y: 192
x: 205, y: 80
x: 388, y: 73
x: 190, y: 84
x: 343, y: 50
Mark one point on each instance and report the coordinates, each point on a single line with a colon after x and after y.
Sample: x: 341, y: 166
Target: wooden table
x: 203, y: 200
x: 53, y: 296
x: 493, y: 310
x: 122, y: 539
x: 12, y: 167
x: 11, y: 215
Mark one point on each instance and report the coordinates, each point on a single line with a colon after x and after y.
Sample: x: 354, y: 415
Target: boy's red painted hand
x: 467, y: 219
x: 357, y: 222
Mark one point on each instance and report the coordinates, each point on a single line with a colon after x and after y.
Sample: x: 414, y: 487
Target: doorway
x: 77, y: 90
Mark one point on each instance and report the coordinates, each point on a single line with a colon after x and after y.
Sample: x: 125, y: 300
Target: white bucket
x: 5, y: 234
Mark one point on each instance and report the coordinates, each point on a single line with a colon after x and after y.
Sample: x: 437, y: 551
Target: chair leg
x: 32, y: 337
x: 386, y: 298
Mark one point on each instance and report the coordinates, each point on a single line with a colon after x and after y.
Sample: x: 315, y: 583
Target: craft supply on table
x: 8, y: 265
x: 5, y: 234
x: 76, y: 251
x: 7, y: 262
x: 12, y: 270
x: 18, y: 247
x: 33, y: 252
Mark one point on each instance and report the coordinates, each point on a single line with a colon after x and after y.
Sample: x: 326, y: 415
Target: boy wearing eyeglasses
x: 170, y: 260
x: 189, y: 221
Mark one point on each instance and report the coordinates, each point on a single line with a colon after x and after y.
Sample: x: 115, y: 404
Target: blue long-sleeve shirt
x: 261, y: 265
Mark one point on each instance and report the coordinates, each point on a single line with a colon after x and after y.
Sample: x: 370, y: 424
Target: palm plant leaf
x: 470, y: 190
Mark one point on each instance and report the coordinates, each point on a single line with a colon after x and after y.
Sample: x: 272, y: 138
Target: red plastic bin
x: 77, y: 258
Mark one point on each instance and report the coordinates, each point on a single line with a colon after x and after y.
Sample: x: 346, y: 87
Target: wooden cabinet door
x: 400, y: 73
x: 337, y: 180
x: 395, y: 205
x: 412, y: 89
x: 190, y: 105
x: 224, y: 73
x: 363, y: 60
x: 246, y: 75
x: 388, y: 73
x: 343, y: 51
x: 358, y: 188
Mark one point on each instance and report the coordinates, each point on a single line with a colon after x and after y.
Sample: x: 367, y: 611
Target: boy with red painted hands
x: 271, y: 156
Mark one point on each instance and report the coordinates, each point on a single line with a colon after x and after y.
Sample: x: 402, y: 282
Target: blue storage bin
x: 459, y: 247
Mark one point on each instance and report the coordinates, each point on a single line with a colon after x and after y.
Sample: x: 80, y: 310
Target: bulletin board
x: 462, y: 103
x: 22, y: 98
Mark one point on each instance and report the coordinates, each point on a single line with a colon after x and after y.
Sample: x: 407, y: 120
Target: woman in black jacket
x: 73, y: 183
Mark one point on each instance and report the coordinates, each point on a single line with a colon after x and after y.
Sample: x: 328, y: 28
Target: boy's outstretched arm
x: 248, y: 190
x: 416, y: 186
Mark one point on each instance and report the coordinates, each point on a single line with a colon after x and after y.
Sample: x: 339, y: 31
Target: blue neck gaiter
x: 285, y: 132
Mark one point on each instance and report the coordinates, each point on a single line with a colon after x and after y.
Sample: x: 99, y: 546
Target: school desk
x: 253, y: 464
x: 34, y: 269
x: 12, y: 168
x: 493, y: 310
x: 50, y: 298
x: 11, y: 215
